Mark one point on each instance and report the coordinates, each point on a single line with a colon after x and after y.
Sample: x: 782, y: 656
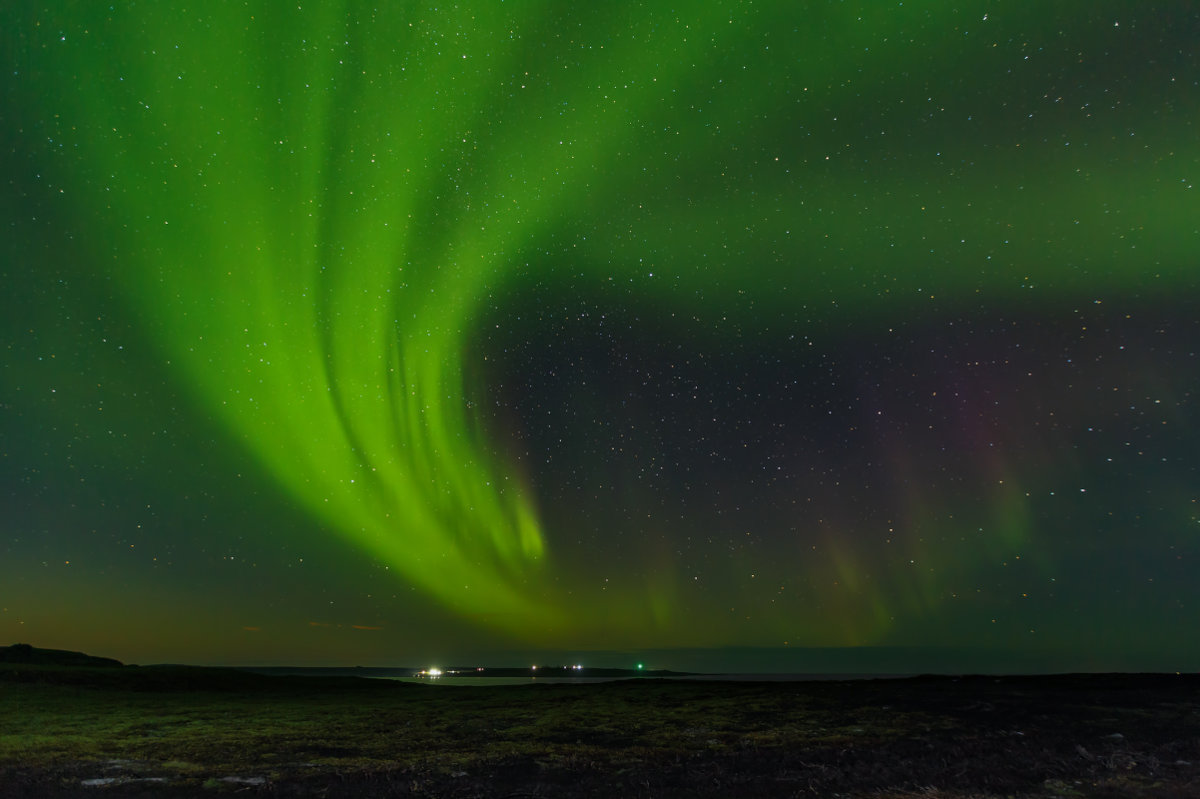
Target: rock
x: 24, y: 653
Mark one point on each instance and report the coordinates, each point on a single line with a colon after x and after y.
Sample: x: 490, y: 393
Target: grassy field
x: 172, y: 731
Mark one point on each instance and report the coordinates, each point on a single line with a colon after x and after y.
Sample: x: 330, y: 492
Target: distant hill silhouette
x: 24, y: 653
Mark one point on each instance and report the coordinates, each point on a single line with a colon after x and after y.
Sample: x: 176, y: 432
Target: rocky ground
x: 109, y: 732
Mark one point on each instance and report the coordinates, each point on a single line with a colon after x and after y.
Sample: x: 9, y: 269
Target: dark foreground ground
x: 179, y: 732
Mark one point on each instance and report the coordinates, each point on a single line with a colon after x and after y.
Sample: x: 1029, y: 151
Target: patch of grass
x: 322, y: 736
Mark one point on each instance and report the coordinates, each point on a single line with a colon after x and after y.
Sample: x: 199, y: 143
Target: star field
x: 347, y: 334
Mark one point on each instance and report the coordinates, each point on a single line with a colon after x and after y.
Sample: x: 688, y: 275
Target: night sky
x: 776, y: 335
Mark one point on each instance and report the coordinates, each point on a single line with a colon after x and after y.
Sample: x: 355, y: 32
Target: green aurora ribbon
x: 312, y: 206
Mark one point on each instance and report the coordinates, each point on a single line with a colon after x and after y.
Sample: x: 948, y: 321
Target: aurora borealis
x: 340, y: 333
